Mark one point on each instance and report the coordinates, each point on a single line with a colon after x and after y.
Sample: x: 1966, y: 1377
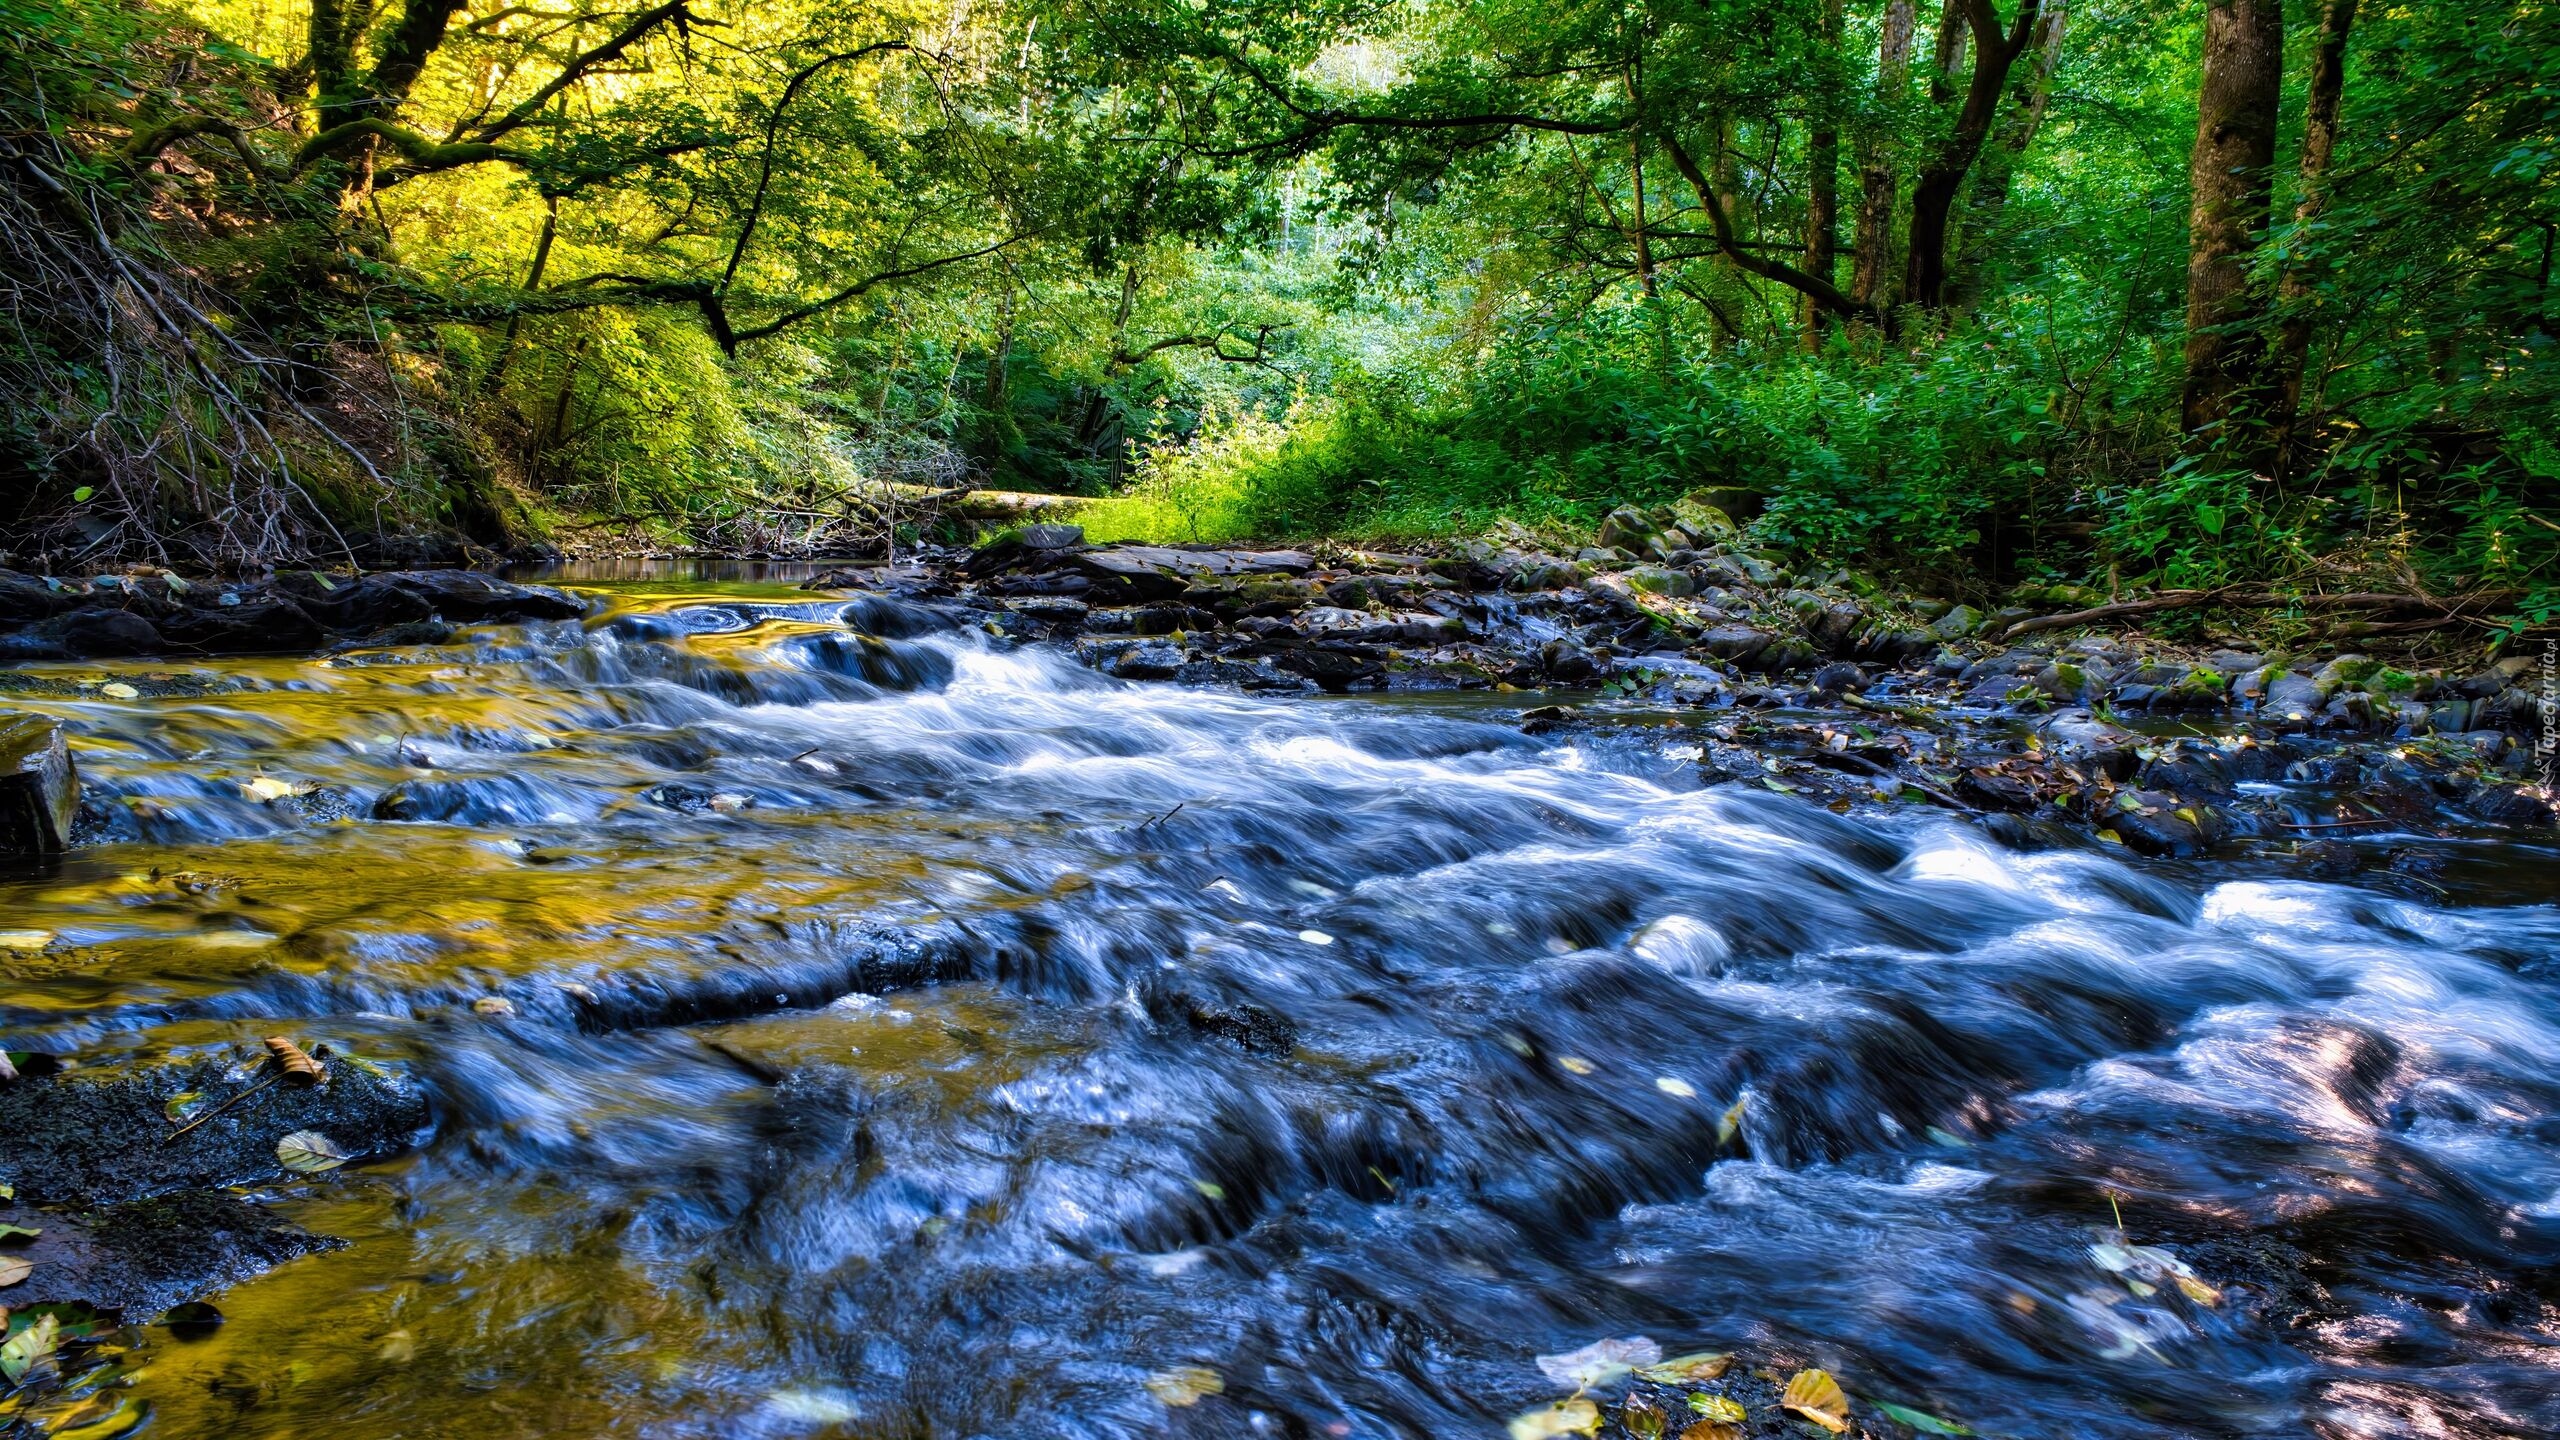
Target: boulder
x: 39, y: 787
x: 24, y: 598
x: 106, y: 634
x: 267, y: 625
x: 1956, y: 624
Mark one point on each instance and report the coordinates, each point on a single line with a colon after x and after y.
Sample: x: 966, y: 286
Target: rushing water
x: 915, y: 1037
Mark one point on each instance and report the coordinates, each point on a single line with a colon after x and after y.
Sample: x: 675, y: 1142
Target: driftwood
x: 2443, y: 611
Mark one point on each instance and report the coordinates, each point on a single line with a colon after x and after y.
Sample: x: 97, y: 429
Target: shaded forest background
x: 2129, y: 292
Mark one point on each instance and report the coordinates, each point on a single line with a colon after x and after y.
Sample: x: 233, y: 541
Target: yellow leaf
x: 1185, y: 1384
x: 1815, y: 1396
x: 118, y: 690
x: 1671, y: 1085
x: 2198, y: 1291
x: 1564, y: 1417
x: 1688, y: 1369
x: 1719, y: 1409
x: 1731, y: 1124
x: 15, y: 1268
x: 266, y: 787
x: 1574, y: 1063
x: 1712, y: 1430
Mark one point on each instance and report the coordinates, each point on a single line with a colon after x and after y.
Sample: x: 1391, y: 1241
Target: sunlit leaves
x: 1813, y: 1395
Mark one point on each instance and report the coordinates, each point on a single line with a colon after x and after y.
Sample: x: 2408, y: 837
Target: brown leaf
x: 15, y: 1268
x: 299, y: 1068
x: 1817, y: 1397
x: 1712, y: 1430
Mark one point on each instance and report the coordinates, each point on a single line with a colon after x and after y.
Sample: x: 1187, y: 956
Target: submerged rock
x: 39, y: 787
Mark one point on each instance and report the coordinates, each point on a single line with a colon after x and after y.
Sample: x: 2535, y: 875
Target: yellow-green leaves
x: 1813, y: 1395
x: 29, y: 1347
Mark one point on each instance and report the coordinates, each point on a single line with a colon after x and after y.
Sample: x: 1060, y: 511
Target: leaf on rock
x: 1642, y: 1418
x: 1815, y: 1396
x: 1564, y: 1417
x: 118, y: 690
x: 14, y: 1268
x: 266, y: 787
x: 1713, y: 1430
x: 1720, y: 1409
x: 298, y: 1067
x: 181, y: 1106
x: 1599, y: 1362
x: 1688, y: 1369
x: 1920, y: 1420
x: 19, y: 1232
x: 1185, y: 1384
x: 308, y: 1152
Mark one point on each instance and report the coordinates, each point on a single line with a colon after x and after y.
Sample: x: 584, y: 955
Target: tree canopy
x: 2050, y: 286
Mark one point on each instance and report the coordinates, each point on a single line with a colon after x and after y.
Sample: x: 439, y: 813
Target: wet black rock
x: 105, y: 634
x: 24, y: 598
x: 99, y: 1135
x: 2162, y: 824
x: 321, y: 805
x: 143, y: 1256
x: 39, y: 787
x: 2511, y: 805
x: 268, y: 625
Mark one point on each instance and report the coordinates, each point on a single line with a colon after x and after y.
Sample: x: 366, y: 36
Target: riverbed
x: 836, y: 1021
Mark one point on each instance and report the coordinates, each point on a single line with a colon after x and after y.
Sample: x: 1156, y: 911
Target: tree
x: 2231, y: 173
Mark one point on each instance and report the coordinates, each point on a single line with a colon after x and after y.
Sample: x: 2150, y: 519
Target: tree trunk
x: 1946, y: 57
x: 1869, y: 280
x: 333, y: 65
x: 532, y: 282
x: 1933, y: 196
x: 2230, y: 171
x: 1641, y: 231
x: 2319, y: 148
x: 2029, y: 89
x: 1822, y: 197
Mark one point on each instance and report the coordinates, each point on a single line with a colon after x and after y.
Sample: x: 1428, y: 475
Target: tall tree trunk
x: 1869, y: 276
x: 2230, y: 171
x: 1822, y: 197
x: 1640, y: 230
x: 1933, y: 195
x: 2030, y: 87
x: 2319, y: 149
x: 1946, y: 56
x: 333, y: 64
x: 532, y: 282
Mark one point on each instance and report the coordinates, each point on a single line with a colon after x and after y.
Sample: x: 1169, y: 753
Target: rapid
x: 836, y: 1021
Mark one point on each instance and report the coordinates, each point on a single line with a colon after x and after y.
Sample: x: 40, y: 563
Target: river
x: 837, y: 1023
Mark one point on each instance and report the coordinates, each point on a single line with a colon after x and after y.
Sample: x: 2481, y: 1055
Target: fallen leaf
x: 1315, y: 937
x: 493, y: 1005
x: 118, y: 690
x: 308, y: 1152
x: 1599, y: 1362
x: 1185, y: 1384
x: 1642, y: 1418
x: 14, y: 1268
x: 1687, y: 1369
x: 104, y: 1417
x: 23, y: 1350
x: 266, y: 787
x: 298, y: 1067
x: 1719, y: 1409
x: 1574, y: 1063
x: 1712, y: 1430
x: 1731, y: 1124
x: 1670, y: 1085
x: 1564, y: 1417
x: 20, y: 1232
x: 182, y: 1105
x: 1814, y: 1395
x: 1920, y: 1420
